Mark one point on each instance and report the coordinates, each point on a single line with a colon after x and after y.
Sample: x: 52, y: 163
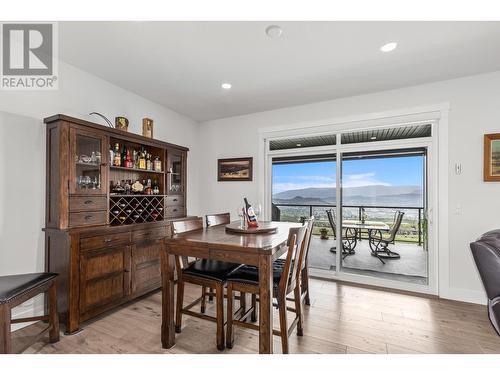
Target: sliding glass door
x: 368, y: 191
x: 383, y: 213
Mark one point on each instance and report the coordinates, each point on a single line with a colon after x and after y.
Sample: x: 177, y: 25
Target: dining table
x: 217, y: 243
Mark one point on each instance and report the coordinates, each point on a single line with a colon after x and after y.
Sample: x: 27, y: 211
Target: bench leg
x: 5, y: 341
x: 53, y: 316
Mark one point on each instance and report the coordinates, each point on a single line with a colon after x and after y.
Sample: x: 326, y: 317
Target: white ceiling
x: 182, y: 64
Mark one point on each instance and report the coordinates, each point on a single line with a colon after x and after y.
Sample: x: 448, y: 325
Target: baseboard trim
x: 464, y: 295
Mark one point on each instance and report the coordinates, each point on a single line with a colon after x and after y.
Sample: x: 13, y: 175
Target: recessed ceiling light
x: 273, y: 31
x: 389, y: 47
x: 299, y: 144
x: 373, y: 138
x: 226, y: 85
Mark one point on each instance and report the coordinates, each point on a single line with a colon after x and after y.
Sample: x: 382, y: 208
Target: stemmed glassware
x: 241, y: 214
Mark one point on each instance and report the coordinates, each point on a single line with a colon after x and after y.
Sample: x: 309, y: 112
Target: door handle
x: 88, y: 202
x: 107, y: 240
x: 88, y: 217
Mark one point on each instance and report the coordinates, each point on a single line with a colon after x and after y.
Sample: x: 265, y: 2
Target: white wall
x: 22, y: 153
x: 474, y: 111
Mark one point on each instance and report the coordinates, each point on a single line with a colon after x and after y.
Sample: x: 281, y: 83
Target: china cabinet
x: 110, y: 198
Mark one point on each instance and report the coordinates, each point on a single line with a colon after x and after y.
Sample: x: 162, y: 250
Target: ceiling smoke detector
x: 274, y: 31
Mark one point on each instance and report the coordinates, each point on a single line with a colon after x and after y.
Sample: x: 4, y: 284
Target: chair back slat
x: 291, y: 268
x: 398, y: 219
x: 333, y: 222
x: 184, y: 226
x: 307, y: 240
x: 217, y: 219
x: 188, y: 225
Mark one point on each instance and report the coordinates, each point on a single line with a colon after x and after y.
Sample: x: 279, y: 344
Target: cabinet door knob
x: 88, y: 202
x: 88, y: 217
x: 107, y: 240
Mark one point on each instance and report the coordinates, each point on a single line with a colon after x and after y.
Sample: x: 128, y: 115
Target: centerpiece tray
x: 264, y: 227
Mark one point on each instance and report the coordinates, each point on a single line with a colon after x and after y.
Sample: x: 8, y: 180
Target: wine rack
x: 132, y: 209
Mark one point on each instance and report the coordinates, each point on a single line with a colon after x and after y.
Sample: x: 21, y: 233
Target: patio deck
x: 411, y: 267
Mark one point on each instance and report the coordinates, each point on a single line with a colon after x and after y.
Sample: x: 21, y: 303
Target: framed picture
x: 235, y: 169
x: 121, y: 123
x: 492, y: 157
x: 147, y: 127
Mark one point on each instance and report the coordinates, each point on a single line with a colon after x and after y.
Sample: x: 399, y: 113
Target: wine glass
x: 257, y: 210
x: 241, y: 214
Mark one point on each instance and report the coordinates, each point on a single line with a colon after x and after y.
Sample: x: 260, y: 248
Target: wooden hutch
x: 106, y: 245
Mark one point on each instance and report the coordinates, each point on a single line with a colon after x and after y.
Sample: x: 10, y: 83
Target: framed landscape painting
x: 492, y: 157
x: 236, y: 169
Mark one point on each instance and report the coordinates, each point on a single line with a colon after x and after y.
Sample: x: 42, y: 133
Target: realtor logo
x: 29, y: 56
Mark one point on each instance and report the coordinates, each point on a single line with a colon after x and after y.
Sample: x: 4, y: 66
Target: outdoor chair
x: 349, y: 236
x: 379, y: 242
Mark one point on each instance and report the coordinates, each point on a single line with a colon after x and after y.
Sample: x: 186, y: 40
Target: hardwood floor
x: 341, y: 319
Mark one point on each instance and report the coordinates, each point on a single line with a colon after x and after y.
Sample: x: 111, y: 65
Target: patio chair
x: 349, y: 237
x: 379, y: 242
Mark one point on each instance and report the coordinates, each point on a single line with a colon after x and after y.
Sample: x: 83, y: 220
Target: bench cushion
x: 14, y: 286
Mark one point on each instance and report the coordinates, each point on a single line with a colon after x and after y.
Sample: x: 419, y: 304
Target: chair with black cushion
x: 486, y: 253
x: 286, y: 280
x: 213, y: 220
x: 349, y: 235
x: 379, y: 242
x: 304, y: 274
x: 203, y: 272
x: 16, y: 289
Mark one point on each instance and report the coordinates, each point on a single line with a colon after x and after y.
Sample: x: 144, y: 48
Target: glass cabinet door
x: 88, y: 162
x: 175, y: 172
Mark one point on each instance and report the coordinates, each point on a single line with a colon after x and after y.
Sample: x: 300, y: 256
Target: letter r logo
x: 27, y: 49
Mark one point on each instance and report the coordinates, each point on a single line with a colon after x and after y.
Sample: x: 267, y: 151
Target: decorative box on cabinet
x: 106, y: 247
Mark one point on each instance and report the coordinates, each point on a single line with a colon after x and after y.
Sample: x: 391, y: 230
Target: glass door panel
x: 175, y: 172
x: 305, y: 187
x: 86, y: 174
x: 383, y: 195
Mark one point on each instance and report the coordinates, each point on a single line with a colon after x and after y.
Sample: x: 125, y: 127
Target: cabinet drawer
x: 102, y: 242
x: 77, y: 219
x: 149, y: 234
x: 174, y: 211
x: 87, y: 203
x: 174, y: 200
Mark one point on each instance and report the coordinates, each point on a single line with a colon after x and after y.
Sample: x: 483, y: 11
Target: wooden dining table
x: 216, y: 243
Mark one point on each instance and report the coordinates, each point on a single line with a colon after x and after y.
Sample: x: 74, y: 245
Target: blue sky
x: 364, y: 172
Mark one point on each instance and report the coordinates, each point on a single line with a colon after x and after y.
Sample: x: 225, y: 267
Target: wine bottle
x: 250, y: 214
x: 117, y: 159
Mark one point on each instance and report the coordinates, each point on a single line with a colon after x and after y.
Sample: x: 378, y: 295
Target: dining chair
x: 349, y: 236
x: 203, y: 272
x: 213, y: 220
x: 286, y: 280
x: 379, y: 243
x: 304, y: 274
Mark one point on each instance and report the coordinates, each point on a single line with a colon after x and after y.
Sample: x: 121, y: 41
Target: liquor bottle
x: 157, y: 164
x: 149, y: 165
x: 156, y: 188
x: 111, y: 155
x: 135, y: 156
x: 117, y: 157
x: 142, y: 159
x: 124, y: 156
x: 148, y: 189
x: 250, y: 214
x: 128, y: 159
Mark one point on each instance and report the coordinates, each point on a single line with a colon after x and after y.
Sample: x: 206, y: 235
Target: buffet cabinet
x: 110, y: 198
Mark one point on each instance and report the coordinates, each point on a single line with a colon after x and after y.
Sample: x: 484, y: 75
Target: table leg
x: 266, y: 304
x: 167, y: 300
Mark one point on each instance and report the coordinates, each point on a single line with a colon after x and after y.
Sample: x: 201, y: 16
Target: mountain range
x: 375, y: 195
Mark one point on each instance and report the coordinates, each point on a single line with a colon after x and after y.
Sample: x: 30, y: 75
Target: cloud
x: 284, y: 183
